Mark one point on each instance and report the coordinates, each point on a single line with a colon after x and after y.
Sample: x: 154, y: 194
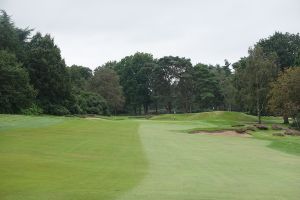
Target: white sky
x: 91, y: 32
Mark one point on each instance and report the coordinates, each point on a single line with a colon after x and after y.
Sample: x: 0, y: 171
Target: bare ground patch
x: 222, y: 133
x: 94, y: 118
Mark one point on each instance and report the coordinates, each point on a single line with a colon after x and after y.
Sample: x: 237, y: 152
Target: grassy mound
x: 208, y: 116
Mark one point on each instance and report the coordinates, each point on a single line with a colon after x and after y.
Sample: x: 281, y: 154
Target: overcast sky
x: 91, y: 32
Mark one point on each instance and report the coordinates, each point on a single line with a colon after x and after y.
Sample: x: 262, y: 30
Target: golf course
x: 163, y: 157
x: 149, y: 100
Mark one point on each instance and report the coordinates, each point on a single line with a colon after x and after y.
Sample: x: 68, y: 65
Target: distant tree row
x: 257, y: 78
x: 35, y: 79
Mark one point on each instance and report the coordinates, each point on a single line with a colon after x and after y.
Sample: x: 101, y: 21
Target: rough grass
x: 216, y: 117
x: 288, y: 144
x: 208, y: 121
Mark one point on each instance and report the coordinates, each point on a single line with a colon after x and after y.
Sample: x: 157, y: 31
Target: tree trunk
x: 229, y: 108
x: 285, y: 119
x: 258, y: 110
x: 186, y: 107
x: 259, y: 117
x: 145, y: 109
x: 297, y: 122
x: 169, y: 107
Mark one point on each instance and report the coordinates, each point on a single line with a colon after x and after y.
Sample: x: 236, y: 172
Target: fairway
x: 137, y: 100
x: 128, y: 159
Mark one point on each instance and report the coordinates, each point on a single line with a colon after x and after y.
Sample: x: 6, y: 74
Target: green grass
x: 288, y: 144
x: 194, y: 166
x: 209, y: 116
x: 72, y: 159
x: 210, y: 120
x: 8, y: 122
x: 136, y: 159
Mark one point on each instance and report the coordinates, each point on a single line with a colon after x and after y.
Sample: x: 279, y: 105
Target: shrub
x: 241, y: 130
x: 292, y: 132
x: 261, y: 127
x: 238, y: 125
x: 33, y: 110
x: 58, y: 110
x: 251, y: 128
x: 278, y: 134
x: 276, y: 127
x: 91, y: 103
x: 296, y: 122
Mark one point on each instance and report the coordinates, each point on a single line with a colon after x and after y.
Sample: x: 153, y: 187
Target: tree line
x: 34, y: 79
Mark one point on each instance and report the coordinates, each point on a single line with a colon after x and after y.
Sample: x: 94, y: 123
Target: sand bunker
x: 223, y: 133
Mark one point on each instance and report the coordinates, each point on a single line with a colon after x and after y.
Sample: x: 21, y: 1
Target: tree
x: 160, y: 86
x: 13, y: 39
x: 286, y: 46
x: 105, y: 82
x: 48, y: 72
x: 15, y: 91
x: 285, y: 94
x: 207, y: 92
x: 79, y: 76
x: 172, y: 70
x: 226, y: 99
x: 260, y: 70
x: 185, y: 90
x: 134, y: 74
x: 228, y: 92
x: 239, y: 84
x: 110, y: 64
x: 8, y: 37
x: 91, y: 103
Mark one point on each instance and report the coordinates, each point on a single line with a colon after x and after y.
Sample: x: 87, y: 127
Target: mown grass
x: 8, y: 122
x: 287, y: 143
x: 69, y: 159
x: 195, y: 166
x: 127, y: 158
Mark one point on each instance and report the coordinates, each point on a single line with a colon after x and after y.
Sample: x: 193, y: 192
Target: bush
x: 16, y: 93
x: 276, y: 127
x: 261, y: 127
x: 251, y: 128
x: 241, y: 130
x: 91, y: 103
x: 238, y: 125
x: 33, y: 110
x: 292, y: 132
x: 278, y: 134
x: 296, y: 122
x: 58, y: 110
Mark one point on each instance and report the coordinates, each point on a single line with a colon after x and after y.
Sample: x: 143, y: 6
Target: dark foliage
x: 34, y: 79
